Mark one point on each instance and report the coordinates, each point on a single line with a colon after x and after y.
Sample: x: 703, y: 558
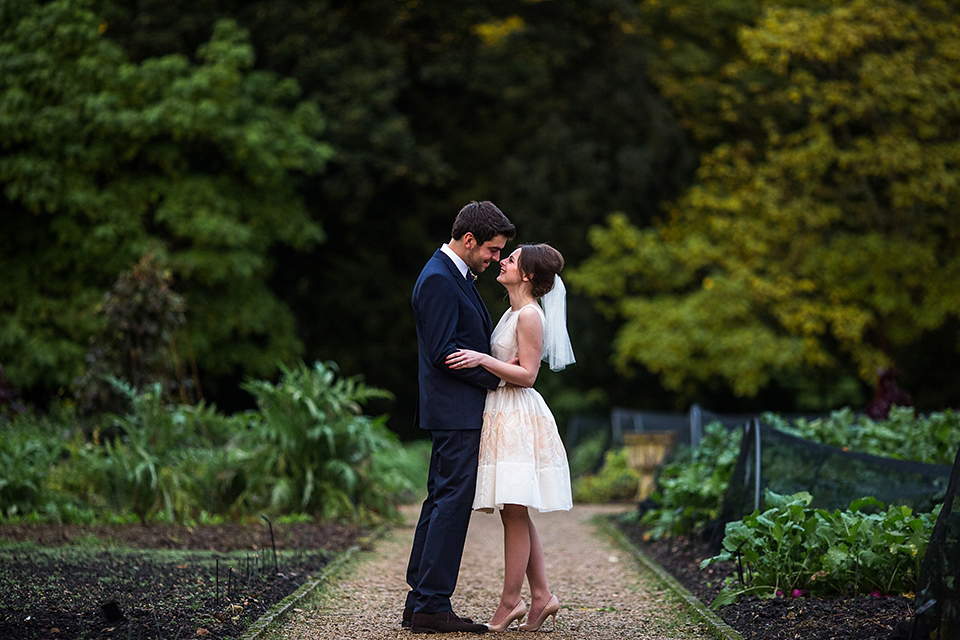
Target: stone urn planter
x: 646, y: 452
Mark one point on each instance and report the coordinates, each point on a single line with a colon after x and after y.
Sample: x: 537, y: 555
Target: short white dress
x: 522, y: 459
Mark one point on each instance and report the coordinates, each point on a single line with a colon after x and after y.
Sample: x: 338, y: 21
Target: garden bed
x: 853, y: 617
x: 153, y: 581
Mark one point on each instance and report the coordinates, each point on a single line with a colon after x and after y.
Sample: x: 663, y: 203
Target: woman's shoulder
x: 530, y: 311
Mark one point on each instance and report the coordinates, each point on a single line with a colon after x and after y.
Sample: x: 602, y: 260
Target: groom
x: 449, y: 315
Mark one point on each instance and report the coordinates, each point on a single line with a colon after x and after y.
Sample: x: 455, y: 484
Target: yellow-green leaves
x: 492, y: 33
x: 821, y: 231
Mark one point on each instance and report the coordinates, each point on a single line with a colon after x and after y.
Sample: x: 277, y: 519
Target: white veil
x: 557, y: 350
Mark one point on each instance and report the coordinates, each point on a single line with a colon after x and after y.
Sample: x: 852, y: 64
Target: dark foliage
x: 136, y: 343
x: 557, y: 123
x: 11, y: 399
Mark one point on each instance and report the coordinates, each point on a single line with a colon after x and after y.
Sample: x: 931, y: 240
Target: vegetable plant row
x: 791, y: 549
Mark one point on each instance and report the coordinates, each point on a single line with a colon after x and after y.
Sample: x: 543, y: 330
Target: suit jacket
x: 450, y: 315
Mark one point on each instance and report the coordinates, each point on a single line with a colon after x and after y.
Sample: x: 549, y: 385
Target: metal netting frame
x: 747, y: 482
x: 937, y: 604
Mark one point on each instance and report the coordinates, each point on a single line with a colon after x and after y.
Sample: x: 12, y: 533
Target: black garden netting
x: 787, y: 464
x: 937, y: 604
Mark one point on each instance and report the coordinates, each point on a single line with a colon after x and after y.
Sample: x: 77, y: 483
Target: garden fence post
x: 756, y: 460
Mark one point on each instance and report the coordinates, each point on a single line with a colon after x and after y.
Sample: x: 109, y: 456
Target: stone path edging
x: 279, y: 611
x: 720, y: 629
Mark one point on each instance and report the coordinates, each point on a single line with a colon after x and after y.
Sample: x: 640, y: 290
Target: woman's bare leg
x: 516, y: 553
x: 536, y: 572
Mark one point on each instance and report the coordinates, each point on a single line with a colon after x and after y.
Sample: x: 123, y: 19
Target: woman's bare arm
x: 530, y: 348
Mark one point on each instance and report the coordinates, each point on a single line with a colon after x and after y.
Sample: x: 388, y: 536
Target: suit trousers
x: 444, y: 517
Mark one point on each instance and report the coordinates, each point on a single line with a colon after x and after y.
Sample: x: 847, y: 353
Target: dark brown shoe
x: 408, y: 613
x: 443, y: 622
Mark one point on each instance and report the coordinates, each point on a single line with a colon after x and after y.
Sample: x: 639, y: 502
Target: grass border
x: 718, y: 628
x: 279, y: 611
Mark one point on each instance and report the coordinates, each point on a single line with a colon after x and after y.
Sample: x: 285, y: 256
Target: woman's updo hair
x: 540, y: 263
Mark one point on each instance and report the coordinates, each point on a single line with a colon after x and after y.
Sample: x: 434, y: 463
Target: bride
x: 522, y: 460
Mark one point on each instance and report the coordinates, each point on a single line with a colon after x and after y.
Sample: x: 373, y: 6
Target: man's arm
x: 438, y: 307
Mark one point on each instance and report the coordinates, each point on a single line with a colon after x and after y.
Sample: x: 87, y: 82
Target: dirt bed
x: 138, y: 582
x: 77, y: 581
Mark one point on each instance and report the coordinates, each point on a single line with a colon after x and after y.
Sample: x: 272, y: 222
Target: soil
x: 852, y: 617
x: 154, y: 581
x: 110, y: 581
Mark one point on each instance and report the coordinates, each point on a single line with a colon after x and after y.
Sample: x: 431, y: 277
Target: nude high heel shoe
x: 551, y: 608
x: 518, y: 612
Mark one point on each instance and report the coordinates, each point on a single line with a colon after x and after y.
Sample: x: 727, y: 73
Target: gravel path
x: 603, y: 591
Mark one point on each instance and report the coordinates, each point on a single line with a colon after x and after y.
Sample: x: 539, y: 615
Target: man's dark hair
x: 484, y: 220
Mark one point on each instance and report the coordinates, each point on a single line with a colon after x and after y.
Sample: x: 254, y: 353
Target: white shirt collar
x: 457, y: 260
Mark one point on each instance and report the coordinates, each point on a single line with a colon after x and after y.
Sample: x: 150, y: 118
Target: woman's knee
x: 513, y: 513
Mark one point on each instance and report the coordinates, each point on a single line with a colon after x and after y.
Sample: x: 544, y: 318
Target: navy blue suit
x: 449, y: 315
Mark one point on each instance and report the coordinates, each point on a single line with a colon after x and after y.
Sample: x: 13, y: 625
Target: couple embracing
x: 495, y: 442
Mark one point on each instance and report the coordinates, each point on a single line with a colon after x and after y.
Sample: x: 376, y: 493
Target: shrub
x: 308, y: 450
x: 30, y: 446
x: 587, y: 456
x: 140, y: 316
x: 160, y: 461
x: 316, y: 452
x: 691, y: 486
x: 24, y: 460
x: 615, y: 482
x: 403, y: 472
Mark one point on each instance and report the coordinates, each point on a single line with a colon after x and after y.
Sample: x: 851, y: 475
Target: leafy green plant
x: 616, y: 481
x: 792, y: 549
x: 150, y: 466
x: 23, y: 461
x: 30, y: 446
x: 690, y: 487
x: 219, y: 479
x: 588, y: 454
x: 903, y: 434
x: 316, y: 448
x: 308, y: 451
x: 402, y: 471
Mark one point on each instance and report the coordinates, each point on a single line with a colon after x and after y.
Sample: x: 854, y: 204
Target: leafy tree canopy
x: 543, y: 107
x: 822, y: 233
x: 102, y: 159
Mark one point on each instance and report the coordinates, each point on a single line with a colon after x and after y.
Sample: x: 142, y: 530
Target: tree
x: 821, y: 235
x: 545, y: 108
x: 136, y: 344
x: 103, y: 159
